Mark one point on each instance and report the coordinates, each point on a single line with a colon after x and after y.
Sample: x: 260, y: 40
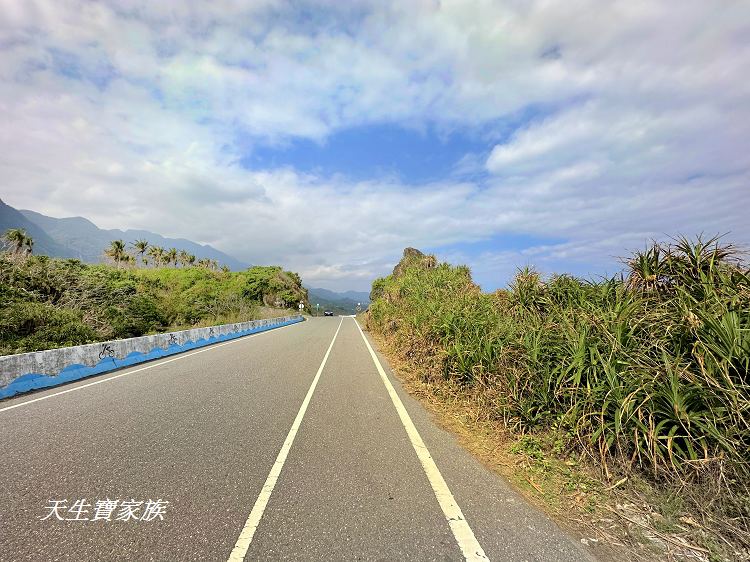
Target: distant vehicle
x: 327, y: 313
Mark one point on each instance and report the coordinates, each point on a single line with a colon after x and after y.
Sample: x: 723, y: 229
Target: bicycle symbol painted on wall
x: 172, y: 340
x: 106, y: 352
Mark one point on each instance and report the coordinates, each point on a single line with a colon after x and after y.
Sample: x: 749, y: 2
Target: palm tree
x: 225, y: 268
x: 191, y: 260
x: 116, y: 251
x: 157, y: 254
x: 18, y: 241
x: 183, y: 258
x: 140, y: 246
x: 203, y: 262
x: 171, y: 256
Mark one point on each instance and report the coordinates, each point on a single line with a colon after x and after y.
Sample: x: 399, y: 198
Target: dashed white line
x: 253, y: 520
x: 465, y: 538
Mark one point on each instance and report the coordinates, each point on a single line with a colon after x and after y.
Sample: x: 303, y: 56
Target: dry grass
x: 617, y: 520
x: 628, y: 397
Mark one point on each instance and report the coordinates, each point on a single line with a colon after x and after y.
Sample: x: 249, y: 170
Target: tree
x: 171, y: 256
x: 18, y: 241
x: 184, y: 258
x: 191, y: 260
x: 157, y: 254
x: 140, y: 247
x: 116, y: 251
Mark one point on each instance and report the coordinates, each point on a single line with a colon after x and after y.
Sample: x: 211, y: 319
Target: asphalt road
x: 285, y: 445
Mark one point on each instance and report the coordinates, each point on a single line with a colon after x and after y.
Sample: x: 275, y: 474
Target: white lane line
x: 253, y: 520
x: 158, y: 363
x: 465, y: 538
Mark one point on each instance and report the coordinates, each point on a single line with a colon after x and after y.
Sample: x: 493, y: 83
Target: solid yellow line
x: 465, y: 538
x: 253, y: 520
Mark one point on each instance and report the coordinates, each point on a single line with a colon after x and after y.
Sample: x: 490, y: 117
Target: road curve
x: 286, y: 445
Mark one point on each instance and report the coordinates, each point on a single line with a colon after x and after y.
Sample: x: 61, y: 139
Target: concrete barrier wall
x: 42, y: 369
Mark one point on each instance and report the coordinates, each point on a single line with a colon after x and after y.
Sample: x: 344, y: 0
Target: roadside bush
x: 139, y: 315
x: 648, y: 371
x: 46, y: 302
x: 33, y: 326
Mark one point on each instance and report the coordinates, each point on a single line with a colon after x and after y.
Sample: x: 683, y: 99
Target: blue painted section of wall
x: 76, y: 372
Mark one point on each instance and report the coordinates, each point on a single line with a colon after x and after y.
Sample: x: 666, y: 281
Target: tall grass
x: 648, y: 371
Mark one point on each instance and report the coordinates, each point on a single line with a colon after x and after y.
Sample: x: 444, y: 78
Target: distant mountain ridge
x: 342, y: 303
x: 78, y: 237
x: 43, y: 242
x: 355, y: 296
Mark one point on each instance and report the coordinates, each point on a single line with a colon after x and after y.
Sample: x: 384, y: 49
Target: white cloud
x: 645, y: 128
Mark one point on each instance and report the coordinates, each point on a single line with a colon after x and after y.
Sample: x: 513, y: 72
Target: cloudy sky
x: 327, y: 136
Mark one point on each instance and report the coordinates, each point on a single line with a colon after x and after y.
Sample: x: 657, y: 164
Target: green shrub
x: 650, y: 370
x: 47, y: 302
x: 33, y: 326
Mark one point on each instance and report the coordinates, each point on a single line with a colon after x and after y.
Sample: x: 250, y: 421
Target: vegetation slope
x: 47, y: 302
x: 643, y: 375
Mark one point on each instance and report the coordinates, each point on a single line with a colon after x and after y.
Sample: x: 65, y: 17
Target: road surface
x: 292, y: 444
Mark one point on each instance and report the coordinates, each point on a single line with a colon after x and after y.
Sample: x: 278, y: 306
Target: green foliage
x: 378, y: 288
x: 46, y: 303
x: 116, y: 251
x: 17, y: 241
x: 651, y: 371
x: 270, y: 284
x: 31, y: 326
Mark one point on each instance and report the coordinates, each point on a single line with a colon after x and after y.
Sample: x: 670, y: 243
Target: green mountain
x: 339, y: 303
x: 43, y: 242
x: 77, y: 237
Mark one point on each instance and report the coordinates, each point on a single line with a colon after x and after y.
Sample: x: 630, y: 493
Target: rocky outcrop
x: 413, y: 257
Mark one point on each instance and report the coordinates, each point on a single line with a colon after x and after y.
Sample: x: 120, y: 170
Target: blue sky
x: 413, y: 153
x: 328, y: 136
x: 367, y: 151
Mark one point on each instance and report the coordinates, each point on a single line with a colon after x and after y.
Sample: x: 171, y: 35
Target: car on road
x: 327, y: 313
